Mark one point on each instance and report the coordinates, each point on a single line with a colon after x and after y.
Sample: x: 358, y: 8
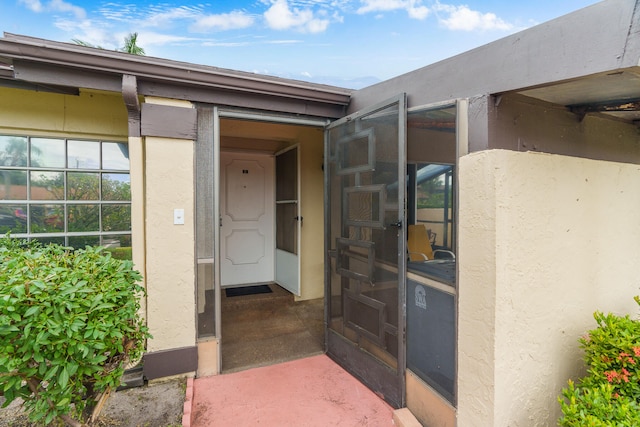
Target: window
x: 431, y: 189
x: 71, y: 192
x: 431, y: 280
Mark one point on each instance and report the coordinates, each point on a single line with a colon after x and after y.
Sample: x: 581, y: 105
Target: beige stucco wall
x: 312, y: 207
x: 544, y: 241
x: 92, y: 114
x: 170, y: 247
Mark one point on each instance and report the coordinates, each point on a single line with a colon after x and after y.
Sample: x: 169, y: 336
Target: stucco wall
x: 544, y: 241
x: 170, y: 247
x: 521, y: 123
x: 91, y: 114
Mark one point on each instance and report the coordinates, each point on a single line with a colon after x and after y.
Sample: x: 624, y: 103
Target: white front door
x: 247, y: 218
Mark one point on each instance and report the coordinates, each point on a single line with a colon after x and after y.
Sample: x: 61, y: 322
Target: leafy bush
x: 69, y: 322
x: 610, y: 393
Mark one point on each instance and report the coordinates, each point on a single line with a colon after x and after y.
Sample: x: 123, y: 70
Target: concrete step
x: 404, y: 418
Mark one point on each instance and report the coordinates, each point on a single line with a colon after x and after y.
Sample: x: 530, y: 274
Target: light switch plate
x: 178, y: 216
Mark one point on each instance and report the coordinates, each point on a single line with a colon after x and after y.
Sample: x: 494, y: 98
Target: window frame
x: 67, y: 202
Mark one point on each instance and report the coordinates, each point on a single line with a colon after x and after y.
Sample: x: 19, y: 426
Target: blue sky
x: 348, y: 43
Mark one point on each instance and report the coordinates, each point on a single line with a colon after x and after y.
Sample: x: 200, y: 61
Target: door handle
x: 396, y: 224
x: 299, y: 218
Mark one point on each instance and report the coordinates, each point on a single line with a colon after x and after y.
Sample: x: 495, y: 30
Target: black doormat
x: 247, y: 290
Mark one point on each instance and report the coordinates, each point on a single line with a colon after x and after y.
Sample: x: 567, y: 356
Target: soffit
x: 615, y: 94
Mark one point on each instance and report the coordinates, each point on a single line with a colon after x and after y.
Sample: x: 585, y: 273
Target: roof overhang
x: 614, y: 94
x: 47, y: 63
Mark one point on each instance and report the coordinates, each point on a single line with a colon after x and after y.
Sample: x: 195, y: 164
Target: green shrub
x: 69, y: 322
x: 609, y: 395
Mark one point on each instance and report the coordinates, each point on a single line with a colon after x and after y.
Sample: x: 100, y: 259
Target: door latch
x: 396, y: 224
x: 299, y: 218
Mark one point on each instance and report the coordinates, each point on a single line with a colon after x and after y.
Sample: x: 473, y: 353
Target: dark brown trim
x: 20, y: 50
x: 169, y: 122
x: 63, y: 76
x: 166, y: 363
x: 130, y: 95
x: 371, y: 372
x: 253, y: 101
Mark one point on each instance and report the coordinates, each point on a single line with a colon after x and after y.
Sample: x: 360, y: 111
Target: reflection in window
x: 46, y: 185
x: 47, y: 153
x: 83, y: 154
x: 13, y: 184
x: 13, y: 151
x: 13, y: 218
x: 116, y: 217
x: 53, y: 190
x: 116, y: 186
x: 115, y: 156
x: 83, y: 186
x: 83, y: 218
x: 47, y: 218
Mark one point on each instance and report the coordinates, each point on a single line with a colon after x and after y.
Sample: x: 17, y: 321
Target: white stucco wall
x: 544, y: 241
x: 169, y: 247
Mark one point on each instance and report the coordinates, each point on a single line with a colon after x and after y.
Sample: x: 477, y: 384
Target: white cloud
x: 164, y: 18
x: 222, y: 22
x: 88, y: 32
x: 156, y: 39
x: 34, y: 5
x: 414, y: 8
x: 280, y: 17
x: 54, y: 6
x: 465, y: 19
x: 283, y: 42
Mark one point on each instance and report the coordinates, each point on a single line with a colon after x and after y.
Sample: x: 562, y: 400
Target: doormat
x: 247, y: 290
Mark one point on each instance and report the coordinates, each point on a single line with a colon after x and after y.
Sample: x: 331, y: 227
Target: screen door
x: 365, y: 245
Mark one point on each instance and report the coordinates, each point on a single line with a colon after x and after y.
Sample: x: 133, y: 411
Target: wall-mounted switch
x: 178, y: 216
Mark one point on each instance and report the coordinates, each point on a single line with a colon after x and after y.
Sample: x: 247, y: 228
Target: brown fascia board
x: 23, y: 48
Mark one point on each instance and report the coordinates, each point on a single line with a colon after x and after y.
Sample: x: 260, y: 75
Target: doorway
x: 262, y: 197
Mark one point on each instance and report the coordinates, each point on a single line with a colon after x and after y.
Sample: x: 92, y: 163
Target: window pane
x: 83, y: 218
x: 115, y: 155
x: 13, y: 218
x: 47, y: 185
x: 118, y: 245
x: 79, y: 242
x: 48, y: 240
x: 47, y: 218
x: 83, y: 186
x: 431, y: 337
x: 47, y: 153
x: 83, y: 154
x: 13, y: 150
x: 13, y: 185
x: 116, y: 186
x: 116, y: 217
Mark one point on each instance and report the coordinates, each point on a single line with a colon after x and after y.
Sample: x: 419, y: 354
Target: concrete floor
x: 263, y: 329
x: 308, y: 392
